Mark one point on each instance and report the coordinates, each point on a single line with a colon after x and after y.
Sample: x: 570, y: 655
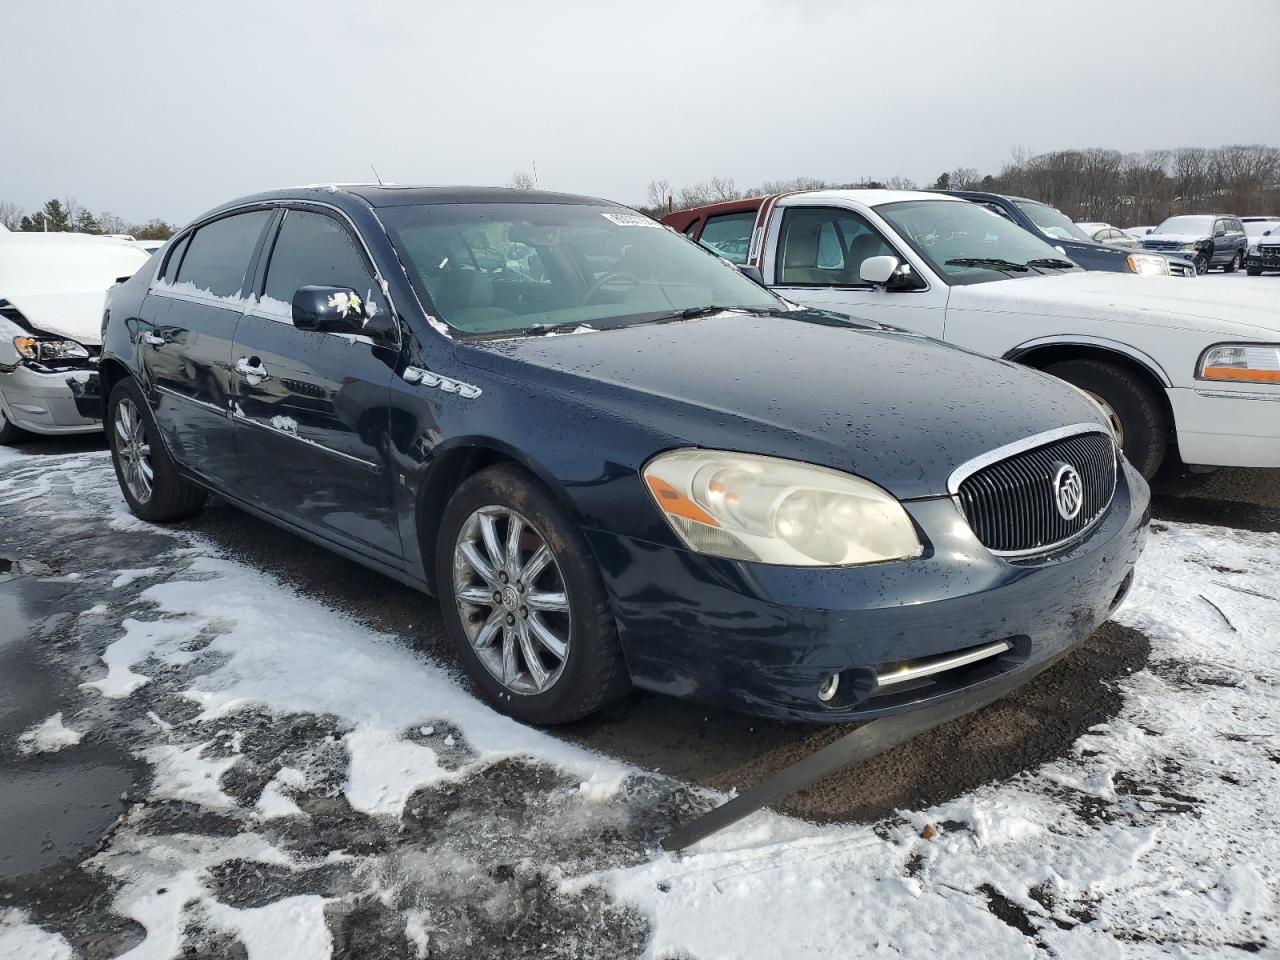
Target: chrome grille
x: 1181, y: 268
x: 1270, y: 256
x: 1012, y: 504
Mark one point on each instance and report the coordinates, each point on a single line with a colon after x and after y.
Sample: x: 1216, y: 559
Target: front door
x: 188, y: 325
x: 817, y: 260
x: 311, y: 408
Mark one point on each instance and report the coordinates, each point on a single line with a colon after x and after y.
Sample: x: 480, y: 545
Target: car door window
x: 825, y: 247
x: 314, y: 249
x: 729, y: 235
x: 1219, y: 226
x: 170, y: 274
x: 217, y: 256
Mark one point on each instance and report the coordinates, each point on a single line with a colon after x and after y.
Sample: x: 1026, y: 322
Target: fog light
x: 827, y: 689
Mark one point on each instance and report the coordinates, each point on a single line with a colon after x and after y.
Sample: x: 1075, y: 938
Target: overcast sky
x: 167, y: 108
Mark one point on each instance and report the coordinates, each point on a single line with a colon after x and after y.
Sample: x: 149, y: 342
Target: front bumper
x: 52, y: 401
x: 1267, y: 258
x: 1225, y: 425
x: 763, y: 638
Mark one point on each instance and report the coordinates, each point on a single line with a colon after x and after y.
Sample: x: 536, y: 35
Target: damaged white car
x: 52, y: 290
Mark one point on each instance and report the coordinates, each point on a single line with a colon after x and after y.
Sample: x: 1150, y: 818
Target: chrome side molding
x: 428, y: 379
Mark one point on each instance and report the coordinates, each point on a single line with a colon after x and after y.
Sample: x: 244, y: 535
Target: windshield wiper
x: 1051, y: 263
x: 692, y: 313
x: 546, y: 329
x: 992, y: 263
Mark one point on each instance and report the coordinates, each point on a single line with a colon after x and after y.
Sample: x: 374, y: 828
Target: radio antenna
x: 375, y: 174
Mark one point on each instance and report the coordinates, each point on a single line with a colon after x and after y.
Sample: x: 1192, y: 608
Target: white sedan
x: 52, y: 293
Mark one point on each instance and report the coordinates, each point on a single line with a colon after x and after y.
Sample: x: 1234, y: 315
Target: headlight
x: 1149, y: 263
x: 747, y: 507
x: 48, y: 351
x: 1191, y: 246
x: 1245, y: 362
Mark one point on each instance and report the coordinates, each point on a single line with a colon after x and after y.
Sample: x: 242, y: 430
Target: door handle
x: 154, y: 339
x: 253, y: 369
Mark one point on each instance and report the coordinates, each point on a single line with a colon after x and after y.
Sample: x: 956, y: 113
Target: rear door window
x: 170, y: 274
x: 729, y: 235
x: 313, y: 249
x: 218, y: 255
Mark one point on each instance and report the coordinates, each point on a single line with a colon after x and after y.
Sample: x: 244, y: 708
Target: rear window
x: 218, y: 255
x: 171, y: 266
x: 729, y: 235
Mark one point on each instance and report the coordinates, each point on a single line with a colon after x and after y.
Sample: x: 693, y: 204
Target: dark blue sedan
x: 614, y: 458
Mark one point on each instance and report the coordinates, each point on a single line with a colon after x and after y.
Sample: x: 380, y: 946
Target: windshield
x: 1201, y: 226
x: 1254, y: 229
x: 967, y: 243
x: 1052, y: 222
x: 497, y: 268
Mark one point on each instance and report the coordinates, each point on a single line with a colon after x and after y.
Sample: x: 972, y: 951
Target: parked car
x: 698, y: 488
x: 1264, y: 246
x: 1107, y: 234
x: 52, y: 287
x: 1138, y: 232
x: 1170, y: 362
x: 1056, y: 227
x: 1211, y: 240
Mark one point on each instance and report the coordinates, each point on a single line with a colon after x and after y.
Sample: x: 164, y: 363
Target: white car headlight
x: 1242, y: 362
x: 49, y: 351
x: 1150, y: 264
x: 747, y: 507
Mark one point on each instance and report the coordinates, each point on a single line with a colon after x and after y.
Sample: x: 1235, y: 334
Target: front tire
x: 1134, y: 406
x: 523, y: 601
x: 148, y: 478
x: 1201, y: 263
x: 1253, y: 271
x: 9, y: 433
x: 1236, y: 263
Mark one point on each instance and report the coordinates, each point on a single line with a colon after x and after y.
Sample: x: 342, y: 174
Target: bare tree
x: 523, y: 181
x: 10, y: 214
x: 660, y: 195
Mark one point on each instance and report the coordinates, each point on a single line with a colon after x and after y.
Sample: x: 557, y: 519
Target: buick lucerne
x: 615, y: 459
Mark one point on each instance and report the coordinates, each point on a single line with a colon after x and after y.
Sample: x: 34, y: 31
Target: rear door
x: 189, y: 320
x: 816, y: 256
x: 311, y: 408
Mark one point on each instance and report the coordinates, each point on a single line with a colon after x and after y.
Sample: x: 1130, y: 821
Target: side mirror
x: 1217, y: 234
x: 878, y: 271
x: 751, y: 273
x: 329, y: 310
x: 1266, y: 233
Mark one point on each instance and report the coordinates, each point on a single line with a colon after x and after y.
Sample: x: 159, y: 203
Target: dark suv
x: 1051, y: 224
x: 1210, y: 240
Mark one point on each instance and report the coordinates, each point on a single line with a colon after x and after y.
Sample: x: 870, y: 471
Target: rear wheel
x: 148, y: 479
x: 9, y: 433
x: 1136, y: 413
x: 523, y: 601
x: 1236, y: 263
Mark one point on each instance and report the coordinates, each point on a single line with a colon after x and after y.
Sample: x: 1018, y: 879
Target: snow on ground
x: 48, y: 736
x: 274, y: 720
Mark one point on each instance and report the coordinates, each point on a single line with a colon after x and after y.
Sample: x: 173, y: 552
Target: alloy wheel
x: 512, y: 600
x: 133, y: 448
x: 1113, y: 418
x: 1202, y: 264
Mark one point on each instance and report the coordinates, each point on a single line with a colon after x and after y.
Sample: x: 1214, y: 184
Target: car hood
x: 898, y: 409
x: 1174, y: 238
x: 77, y: 316
x: 1171, y: 302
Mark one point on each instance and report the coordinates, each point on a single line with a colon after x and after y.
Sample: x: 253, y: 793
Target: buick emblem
x: 1068, y: 492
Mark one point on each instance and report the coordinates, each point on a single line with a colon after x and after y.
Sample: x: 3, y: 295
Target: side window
x: 1219, y: 225
x: 170, y: 274
x: 1235, y: 226
x: 313, y: 249
x: 692, y: 228
x: 729, y: 235
x: 998, y: 210
x: 825, y: 247
x: 217, y: 256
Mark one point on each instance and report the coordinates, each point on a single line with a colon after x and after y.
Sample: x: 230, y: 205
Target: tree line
x: 68, y: 216
x: 1094, y: 184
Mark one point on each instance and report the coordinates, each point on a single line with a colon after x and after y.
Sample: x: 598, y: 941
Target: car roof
x: 870, y: 196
